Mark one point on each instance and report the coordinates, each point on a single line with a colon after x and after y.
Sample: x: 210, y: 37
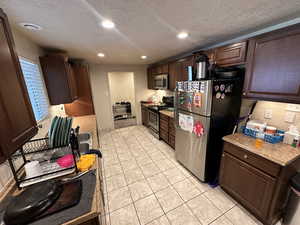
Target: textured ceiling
x: 143, y: 27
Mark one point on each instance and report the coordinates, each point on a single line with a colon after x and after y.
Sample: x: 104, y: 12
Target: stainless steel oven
x: 161, y: 81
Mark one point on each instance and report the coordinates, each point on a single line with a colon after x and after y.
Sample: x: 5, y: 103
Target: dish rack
x: 40, y: 150
x: 273, y: 139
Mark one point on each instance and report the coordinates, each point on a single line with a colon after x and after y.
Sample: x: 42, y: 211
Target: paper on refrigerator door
x: 182, y: 121
x: 189, y: 123
x: 186, y: 122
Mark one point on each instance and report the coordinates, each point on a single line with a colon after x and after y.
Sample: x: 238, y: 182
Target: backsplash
x: 278, y: 110
x: 159, y: 94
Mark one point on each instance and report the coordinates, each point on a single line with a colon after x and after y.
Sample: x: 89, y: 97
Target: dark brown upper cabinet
x: 17, y: 120
x: 230, y: 55
x: 150, y: 78
x: 211, y: 55
x: 83, y: 105
x: 185, y: 63
x: 273, y: 68
x: 165, y: 68
x: 59, y: 79
x: 174, y: 73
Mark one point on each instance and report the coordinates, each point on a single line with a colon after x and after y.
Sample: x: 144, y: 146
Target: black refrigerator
x: 205, y: 111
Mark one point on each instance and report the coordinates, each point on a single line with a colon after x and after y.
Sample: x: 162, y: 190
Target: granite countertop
x: 147, y: 104
x: 167, y: 113
x: 280, y: 153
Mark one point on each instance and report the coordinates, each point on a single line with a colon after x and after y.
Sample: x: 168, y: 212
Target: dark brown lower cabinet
x: 144, y: 116
x: 258, y: 184
x: 247, y: 183
x: 167, y: 129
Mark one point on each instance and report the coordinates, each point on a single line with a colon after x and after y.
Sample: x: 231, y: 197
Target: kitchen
x: 215, y: 137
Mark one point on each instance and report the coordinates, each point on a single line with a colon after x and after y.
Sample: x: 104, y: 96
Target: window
x: 35, y: 89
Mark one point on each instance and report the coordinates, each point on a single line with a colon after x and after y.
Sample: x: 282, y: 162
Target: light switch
x: 289, y: 117
x: 268, y: 113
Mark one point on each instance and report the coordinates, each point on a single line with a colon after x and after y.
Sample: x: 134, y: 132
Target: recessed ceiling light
x: 101, y: 55
x: 143, y: 57
x: 182, y: 35
x: 31, y: 26
x: 108, y: 24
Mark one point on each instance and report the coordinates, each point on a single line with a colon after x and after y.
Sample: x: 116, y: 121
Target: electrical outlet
x: 290, y: 117
x: 268, y: 113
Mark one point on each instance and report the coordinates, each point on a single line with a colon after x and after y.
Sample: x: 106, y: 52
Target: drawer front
x: 164, y: 125
x: 171, y: 125
x: 172, y: 140
x: 256, y: 161
x: 164, y: 135
x: 164, y: 117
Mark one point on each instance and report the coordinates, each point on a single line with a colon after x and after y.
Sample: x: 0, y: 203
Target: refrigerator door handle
x: 176, y: 108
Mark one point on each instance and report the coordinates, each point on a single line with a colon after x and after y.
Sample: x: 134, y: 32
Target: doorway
x: 122, y: 97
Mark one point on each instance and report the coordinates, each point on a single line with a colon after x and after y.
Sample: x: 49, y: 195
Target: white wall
x: 278, y: 113
x: 100, y: 90
x: 29, y: 50
x: 121, y: 86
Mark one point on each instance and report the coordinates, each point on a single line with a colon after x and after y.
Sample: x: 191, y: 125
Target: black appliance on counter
x: 153, y: 114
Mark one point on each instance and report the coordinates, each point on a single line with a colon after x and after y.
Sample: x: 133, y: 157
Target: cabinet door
x: 230, y: 55
x: 185, y: 63
x: 154, y: 70
x: 174, y: 71
x: 249, y: 186
x: 59, y: 79
x: 165, y: 68
x: 145, y: 116
x: 172, y: 133
x: 273, y: 66
x: 159, y: 69
x: 150, y: 78
x: 84, y: 104
x: 211, y: 55
x: 17, y: 120
x: 72, y: 82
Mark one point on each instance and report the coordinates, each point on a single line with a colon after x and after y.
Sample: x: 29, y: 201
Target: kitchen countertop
x: 147, y: 104
x: 280, y: 153
x: 87, y: 124
x: 167, y: 113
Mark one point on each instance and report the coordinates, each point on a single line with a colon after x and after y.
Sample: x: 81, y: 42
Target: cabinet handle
x: 223, y: 155
x: 244, y: 93
x: 245, y: 157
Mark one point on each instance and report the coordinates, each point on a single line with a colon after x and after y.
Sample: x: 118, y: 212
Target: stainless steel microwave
x: 161, y: 81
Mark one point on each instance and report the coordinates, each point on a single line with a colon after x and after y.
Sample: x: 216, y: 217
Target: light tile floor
x: 145, y: 185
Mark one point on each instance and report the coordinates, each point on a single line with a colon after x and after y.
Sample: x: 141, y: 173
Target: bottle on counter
x: 295, y: 142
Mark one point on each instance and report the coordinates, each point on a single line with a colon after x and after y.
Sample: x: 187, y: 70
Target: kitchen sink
x: 84, y: 137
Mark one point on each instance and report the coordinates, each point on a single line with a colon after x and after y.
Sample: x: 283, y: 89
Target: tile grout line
x: 129, y: 190
x: 153, y: 193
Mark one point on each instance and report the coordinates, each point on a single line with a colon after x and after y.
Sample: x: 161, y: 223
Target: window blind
x: 35, y: 89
